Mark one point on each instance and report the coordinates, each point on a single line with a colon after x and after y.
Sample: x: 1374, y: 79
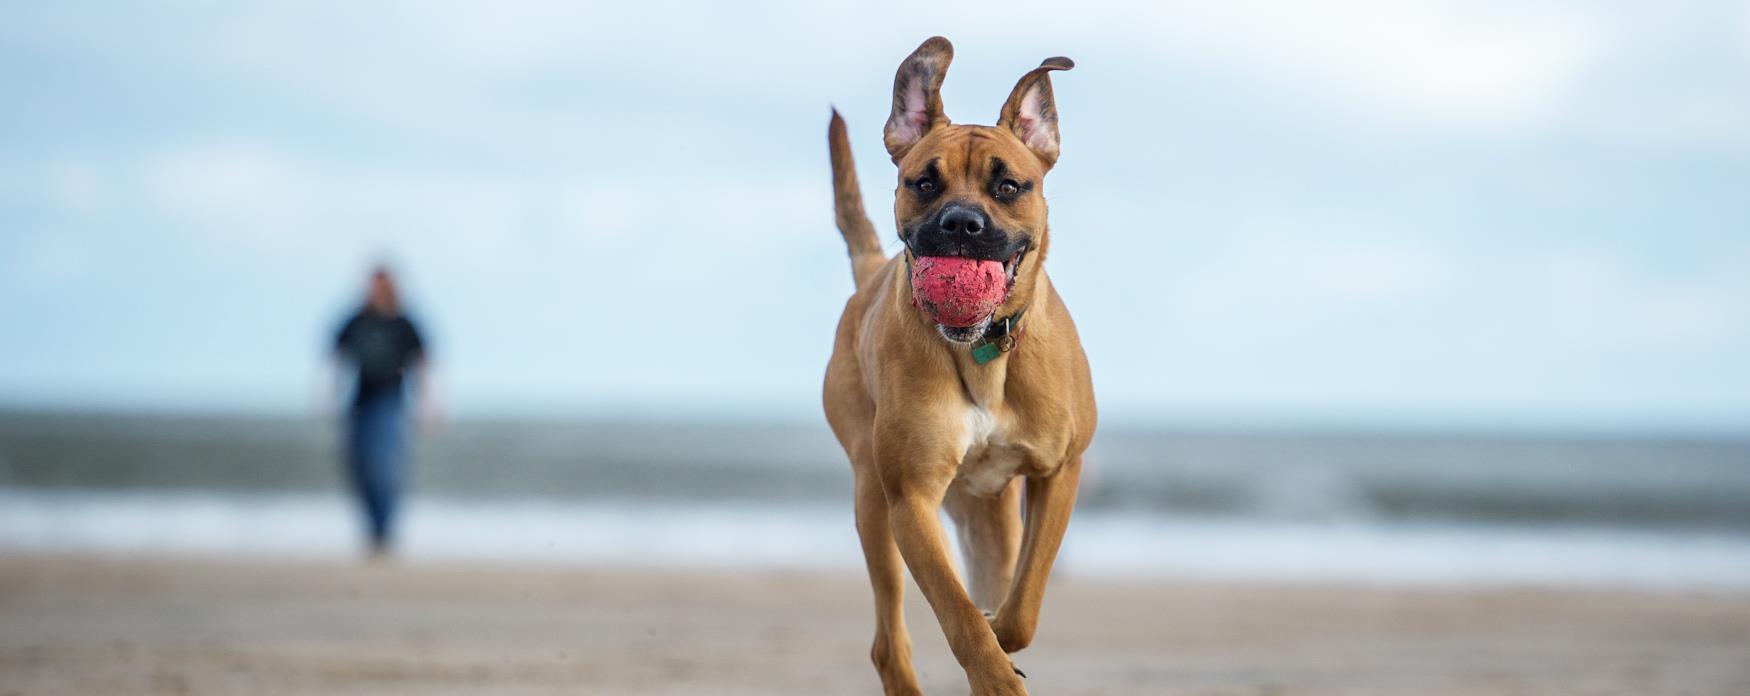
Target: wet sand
x: 80, y: 625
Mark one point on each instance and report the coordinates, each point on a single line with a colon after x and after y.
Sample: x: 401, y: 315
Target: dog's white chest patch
x: 989, y: 462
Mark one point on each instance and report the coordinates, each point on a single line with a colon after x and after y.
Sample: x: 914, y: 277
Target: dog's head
x: 974, y: 191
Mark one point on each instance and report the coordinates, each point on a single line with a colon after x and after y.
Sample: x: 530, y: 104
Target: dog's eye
x: 925, y: 185
x: 1009, y: 187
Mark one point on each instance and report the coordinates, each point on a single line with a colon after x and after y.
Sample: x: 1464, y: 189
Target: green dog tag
x: 985, y: 352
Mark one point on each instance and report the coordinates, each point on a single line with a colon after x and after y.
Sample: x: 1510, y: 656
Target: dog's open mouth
x: 1012, y: 265
x: 962, y: 294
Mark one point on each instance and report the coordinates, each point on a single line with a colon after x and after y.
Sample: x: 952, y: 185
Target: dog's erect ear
x: 917, y: 96
x: 1031, y: 112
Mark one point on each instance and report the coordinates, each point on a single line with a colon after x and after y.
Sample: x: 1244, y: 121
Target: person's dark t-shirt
x: 382, y: 347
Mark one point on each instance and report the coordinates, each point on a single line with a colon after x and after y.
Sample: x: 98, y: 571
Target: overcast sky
x: 1501, y: 214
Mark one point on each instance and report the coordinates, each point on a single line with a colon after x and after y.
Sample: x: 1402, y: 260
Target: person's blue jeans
x: 376, y: 457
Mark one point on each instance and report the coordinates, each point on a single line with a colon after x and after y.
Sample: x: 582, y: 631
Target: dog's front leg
x: 891, y: 651
x: 1049, y: 502
x: 914, y: 495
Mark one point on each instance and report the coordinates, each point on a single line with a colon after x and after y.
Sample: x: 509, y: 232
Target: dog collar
x: 1000, y: 338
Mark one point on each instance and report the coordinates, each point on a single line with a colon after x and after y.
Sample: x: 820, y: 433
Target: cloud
x: 1452, y: 63
x: 76, y: 186
x: 232, y: 190
x: 231, y: 195
x: 754, y: 212
x: 1599, y: 302
x: 1279, y: 284
x: 1489, y: 64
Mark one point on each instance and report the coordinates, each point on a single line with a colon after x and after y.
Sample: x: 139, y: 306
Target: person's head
x: 381, y: 297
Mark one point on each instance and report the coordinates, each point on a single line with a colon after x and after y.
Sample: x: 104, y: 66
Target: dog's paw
x: 1002, y: 679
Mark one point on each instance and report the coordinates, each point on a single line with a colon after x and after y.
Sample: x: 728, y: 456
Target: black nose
x: 962, y: 220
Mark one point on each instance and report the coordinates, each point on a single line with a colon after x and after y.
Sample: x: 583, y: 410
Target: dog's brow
x: 972, y: 139
x: 969, y: 158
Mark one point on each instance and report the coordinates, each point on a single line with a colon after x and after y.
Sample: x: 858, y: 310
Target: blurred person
x: 385, y: 348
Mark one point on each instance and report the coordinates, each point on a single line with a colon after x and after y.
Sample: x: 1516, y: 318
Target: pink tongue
x: 957, y: 291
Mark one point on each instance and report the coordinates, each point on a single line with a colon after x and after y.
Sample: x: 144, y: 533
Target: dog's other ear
x: 1031, y: 112
x: 917, y: 96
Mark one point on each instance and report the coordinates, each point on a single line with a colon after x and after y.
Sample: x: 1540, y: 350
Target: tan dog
x: 959, y: 416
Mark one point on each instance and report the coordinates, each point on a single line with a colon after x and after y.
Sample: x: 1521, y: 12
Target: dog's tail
x: 847, y: 203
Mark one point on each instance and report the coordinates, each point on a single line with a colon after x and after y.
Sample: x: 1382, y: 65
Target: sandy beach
x: 88, y: 625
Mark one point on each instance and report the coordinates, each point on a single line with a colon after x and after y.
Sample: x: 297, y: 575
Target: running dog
x: 957, y: 379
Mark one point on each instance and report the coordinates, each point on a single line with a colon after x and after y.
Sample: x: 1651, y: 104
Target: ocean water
x: 1276, y: 506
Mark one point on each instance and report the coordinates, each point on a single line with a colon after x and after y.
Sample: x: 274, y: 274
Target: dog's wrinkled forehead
x: 966, y: 155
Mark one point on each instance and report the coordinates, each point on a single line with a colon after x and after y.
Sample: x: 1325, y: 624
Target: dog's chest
x: 991, y: 460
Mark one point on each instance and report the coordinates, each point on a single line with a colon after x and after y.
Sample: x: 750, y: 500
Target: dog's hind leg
x: 1049, y: 503
x: 892, y: 649
x: 990, y: 540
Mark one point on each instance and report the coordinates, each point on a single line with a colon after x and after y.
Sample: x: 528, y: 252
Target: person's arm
x: 427, y: 406
x: 335, y: 372
x: 335, y: 375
